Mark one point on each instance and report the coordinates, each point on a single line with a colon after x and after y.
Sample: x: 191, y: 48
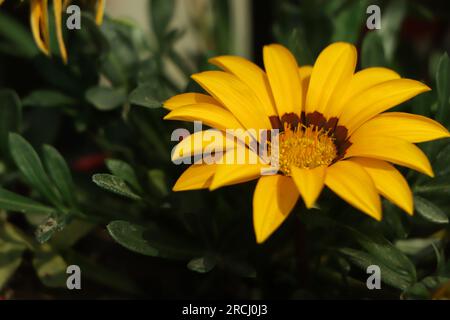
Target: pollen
x: 304, y: 147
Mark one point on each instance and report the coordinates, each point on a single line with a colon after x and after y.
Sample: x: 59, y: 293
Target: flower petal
x: 250, y: 74
x: 35, y: 20
x: 210, y: 115
x: 236, y: 96
x: 229, y: 174
x: 58, y: 11
x: 274, y: 198
x: 197, y: 143
x: 309, y: 182
x: 100, y: 12
x: 197, y: 176
x: 353, y: 184
x: 406, y: 126
x: 44, y: 23
x: 361, y: 81
x: 390, y: 149
x: 331, y: 73
x: 282, y: 70
x: 377, y: 99
x: 186, y: 99
x: 389, y: 182
x: 305, y: 77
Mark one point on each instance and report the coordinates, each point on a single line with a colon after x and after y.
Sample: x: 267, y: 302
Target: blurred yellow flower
x: 334, y: 130
x: 40, y: 26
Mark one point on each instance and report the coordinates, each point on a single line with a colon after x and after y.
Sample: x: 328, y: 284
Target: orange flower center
x: 304, y: 147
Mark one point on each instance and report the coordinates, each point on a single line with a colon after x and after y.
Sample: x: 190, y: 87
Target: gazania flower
x: 334, y: 131
x: 40, y: 26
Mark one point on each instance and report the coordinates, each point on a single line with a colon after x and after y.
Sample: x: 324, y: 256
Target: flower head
x: 332, y: 131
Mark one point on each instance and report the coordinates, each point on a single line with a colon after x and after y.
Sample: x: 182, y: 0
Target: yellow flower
x: 334, y: 131
x: 40, y: 26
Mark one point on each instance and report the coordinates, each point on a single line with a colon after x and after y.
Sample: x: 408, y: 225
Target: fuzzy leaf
x: 114, y: 184
x: 29, y: 164
x: 152, y: 240
x: 429, y: 211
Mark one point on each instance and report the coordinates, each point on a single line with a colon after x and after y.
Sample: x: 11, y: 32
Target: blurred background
x: 93, y: 130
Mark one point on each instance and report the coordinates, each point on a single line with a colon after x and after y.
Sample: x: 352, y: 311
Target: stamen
x: 304, y: 147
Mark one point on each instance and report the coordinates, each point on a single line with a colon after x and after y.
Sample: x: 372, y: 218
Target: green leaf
x: 349, y: 20
x: 10, y: 118
x: 60, y: 173
x: 426, y: 287
x: 114, y: 184
x: 440, y: 165
x: 372, y: 53
x: 13, y: 202
x: 31, y: 167
x: 153, y: 240
x: 415, y: 246
x: 438, y: 186
x: 297, y: 44
x: 123, y: 170
x: 202, y: 265
x: 417, y: 291
x: 143, y: 96
x: 443, y: 90
x: 157, y: 180
x: 391, y: 21
x: 106, y: 99
x: 50, y: 267
x: 48, y: 99
x: 19, y: 41
x: 396, y: 268
x: 389, y: 274
x: 429, y: 211
x: 161, y: 13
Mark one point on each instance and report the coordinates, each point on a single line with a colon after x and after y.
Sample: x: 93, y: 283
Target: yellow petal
x: 236, y: 96
x: 390, y: 149
x: 66, y: 4
x: 35, y: 21
x: 377, y: 99
x: 389, y: 182
x: 406, y: 126
x: 305, y: 73
x: 44, y: 23
x: 57, y: 8
x: 100, y: 12
x: 197, y: 176
x: 282, y: 70
x: 250, y: 74
x: 309, y: 182
x: 305, y: 77
x: 197, y: 142
x: 210, y: 115
x: 185, y: 99
x: 274, y: 198
x: 229, y: 174
x: 361, y: 81
x: 331, y: 74
x: 353, y: 184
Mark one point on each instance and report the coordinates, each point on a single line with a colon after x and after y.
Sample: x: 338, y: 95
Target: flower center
x: 305, y: 147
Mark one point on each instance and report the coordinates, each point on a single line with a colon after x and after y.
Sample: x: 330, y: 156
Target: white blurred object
x: 190, y: 16
x: 188, y: 12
